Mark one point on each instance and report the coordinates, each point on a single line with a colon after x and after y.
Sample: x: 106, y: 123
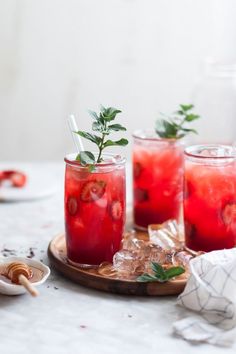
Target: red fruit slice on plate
x: 116, y: 210
x: 140, y: 195
x: 92, y: 191
x: 229, y: 213
x: 7, y: 173
x: 18, y: 179
x: 137, y: 169
x: 72, y: 206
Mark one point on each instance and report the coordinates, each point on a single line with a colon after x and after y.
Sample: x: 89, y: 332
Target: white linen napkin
x: 211, y: 293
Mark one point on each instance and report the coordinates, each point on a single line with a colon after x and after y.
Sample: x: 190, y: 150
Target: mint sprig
x: 160, y: 274
x: 174, y: 127
x: 102, y: 125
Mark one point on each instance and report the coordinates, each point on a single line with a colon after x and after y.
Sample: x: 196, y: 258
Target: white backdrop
x: 62, y: 56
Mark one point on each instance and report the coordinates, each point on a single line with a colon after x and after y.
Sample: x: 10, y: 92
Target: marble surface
x: 67, y: 318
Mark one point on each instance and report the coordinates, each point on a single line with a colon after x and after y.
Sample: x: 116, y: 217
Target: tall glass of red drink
x: 157, y: 179
x: 210, y: 197
x: 94, y: 209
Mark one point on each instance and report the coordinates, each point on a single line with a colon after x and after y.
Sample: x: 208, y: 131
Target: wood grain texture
x: 91, y: 279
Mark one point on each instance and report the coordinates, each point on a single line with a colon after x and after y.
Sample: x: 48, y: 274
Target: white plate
x: 40, y: 184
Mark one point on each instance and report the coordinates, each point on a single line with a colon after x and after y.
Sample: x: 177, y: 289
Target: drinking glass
x: 157, y: 179
x: 210, y: 197
x: 94, y: 210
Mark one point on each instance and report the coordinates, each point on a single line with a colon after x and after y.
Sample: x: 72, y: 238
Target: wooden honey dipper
x: 20, y: 273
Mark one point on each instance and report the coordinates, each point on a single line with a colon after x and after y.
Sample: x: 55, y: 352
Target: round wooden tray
x: 90, y: 277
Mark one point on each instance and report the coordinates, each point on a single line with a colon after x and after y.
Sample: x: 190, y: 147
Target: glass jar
x: 95, y: 210
x: 157, y: 179
x: 214, y: 98
x: 210, y: 197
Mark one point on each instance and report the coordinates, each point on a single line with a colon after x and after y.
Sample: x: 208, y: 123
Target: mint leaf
x: 86, y: 158
x: 116, y: 127
x: 166, y: 129
x: 189, y: 130
x: 174, y: 126
x: 180, y: 136
x: 158, y: 271
x: 97, y: 126
x: 191, y: 117
x: 180, y: 112
x: 146, y: 278
x: 109, y: 113
x: 121, y: 142
x: 161, y: 275
x: 94, y: 138
x: 91, y: 168
x: 174, y: 272
x: 186, y: 107
x: 101, y: 125
x: 93, y: 114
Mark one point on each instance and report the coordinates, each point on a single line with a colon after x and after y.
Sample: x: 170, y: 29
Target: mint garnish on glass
x: 174, y: 127
x: 103, y: 126
x: 160, y: 274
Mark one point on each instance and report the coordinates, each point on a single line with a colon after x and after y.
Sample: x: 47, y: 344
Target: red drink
x: 210, y: 197
x: 157, y: 179
x: 94, y: 210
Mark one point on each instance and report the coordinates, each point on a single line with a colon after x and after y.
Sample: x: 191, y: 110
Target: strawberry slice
x: 72, y: 206
x: 116, y: 210
x: 140, y: 195
x: 137, y: 169
x: 229, y: 213
x: 18, y: 179
x: 8, y: 173
x: 92, y: 191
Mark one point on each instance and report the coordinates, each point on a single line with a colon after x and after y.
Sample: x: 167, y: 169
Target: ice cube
x: 128, y: 263
x: 107, y: 270
x: 182, y: 258
x: 165, y: 236
x: 160, y: 256
x: 131, y: 242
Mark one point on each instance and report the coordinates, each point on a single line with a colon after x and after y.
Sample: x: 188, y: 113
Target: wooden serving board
x: 91, y: 279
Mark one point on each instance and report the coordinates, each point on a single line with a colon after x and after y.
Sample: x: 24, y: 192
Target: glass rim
x: 194, y: 151
x: 142, y: 135
x: 116, y: 160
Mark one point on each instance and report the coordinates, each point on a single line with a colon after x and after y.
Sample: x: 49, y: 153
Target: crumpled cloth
x: 210, y: 294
